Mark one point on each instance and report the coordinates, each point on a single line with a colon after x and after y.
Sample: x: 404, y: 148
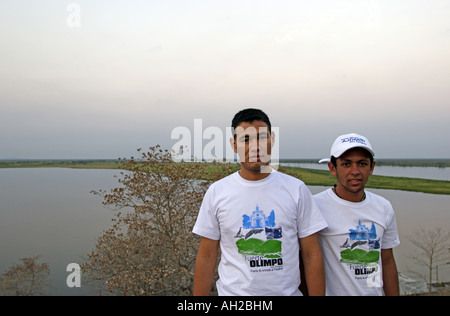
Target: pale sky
x: 134, y: 70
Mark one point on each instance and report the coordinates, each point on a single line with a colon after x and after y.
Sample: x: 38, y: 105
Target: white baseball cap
x: 346, y: 142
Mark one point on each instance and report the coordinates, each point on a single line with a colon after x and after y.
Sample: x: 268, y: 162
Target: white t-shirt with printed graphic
x: 353, y: 241
x: 259, y: 224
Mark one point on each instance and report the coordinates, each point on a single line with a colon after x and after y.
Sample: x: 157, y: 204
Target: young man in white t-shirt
x: 362, y: 230
x: 259, y: 217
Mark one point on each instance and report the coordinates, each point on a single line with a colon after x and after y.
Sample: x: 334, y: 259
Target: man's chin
x: 354, y: 189
x: 256, y: 166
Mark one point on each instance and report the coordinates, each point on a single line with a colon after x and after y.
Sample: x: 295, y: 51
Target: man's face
x: 353, y: 170
x: 253, y: 143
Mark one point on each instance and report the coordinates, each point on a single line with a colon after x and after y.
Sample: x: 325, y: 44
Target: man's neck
x: 255, y: 175
x: 354, y: 197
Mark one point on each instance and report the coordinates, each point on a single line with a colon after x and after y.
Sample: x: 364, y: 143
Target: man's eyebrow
x: 361, y: 160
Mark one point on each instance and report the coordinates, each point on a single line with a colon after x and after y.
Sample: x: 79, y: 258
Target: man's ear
x: 272, y: 136
x: 233, y: 144
x: 332, y: 168
x: 373, y: 167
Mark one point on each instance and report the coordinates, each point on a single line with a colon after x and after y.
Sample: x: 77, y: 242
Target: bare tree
x: 432, y: 248
x: 27, y: 279
x: 150, y: 248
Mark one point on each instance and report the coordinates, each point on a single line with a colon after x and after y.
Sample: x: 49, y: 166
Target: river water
x: 51, y: 212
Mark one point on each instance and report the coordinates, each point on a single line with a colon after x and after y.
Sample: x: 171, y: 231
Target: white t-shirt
x: 259, y: 224
x: 353, y: 241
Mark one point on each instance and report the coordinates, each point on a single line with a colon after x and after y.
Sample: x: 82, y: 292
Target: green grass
x: 437, y: 163
x: 359, y: 256
x: 309, y: 176
x: 324, y: 178
x: 256, y: 247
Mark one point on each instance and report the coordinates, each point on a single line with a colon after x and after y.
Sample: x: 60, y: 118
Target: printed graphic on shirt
x: 259, y: 241
x: 362, y: 252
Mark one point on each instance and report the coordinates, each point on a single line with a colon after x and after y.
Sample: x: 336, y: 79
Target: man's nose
x: 355, y: 169
x: 254, y: 145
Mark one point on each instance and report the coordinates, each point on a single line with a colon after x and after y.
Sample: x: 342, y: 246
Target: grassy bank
x: 436, y: 163
x: 324, y: 178
x: 309, y: 176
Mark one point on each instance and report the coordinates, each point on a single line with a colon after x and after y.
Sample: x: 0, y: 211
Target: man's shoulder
x: 322, y: 195
x: 289, y: 179
x: 224, y: 181
x: 378, y: 198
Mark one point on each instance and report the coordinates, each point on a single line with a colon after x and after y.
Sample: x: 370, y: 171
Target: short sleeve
x: 309, y: 219
x: 207, y: 224
x: 390, y: 236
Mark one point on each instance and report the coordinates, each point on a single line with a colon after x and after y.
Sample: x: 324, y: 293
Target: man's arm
x: 390, y: 275
x: 313, y: 263
x: 205, y: 266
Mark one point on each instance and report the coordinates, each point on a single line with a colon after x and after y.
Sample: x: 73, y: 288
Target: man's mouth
x: 355, y: 181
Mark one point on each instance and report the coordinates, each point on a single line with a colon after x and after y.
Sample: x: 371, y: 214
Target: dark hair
x: 334, y: 159
x: 249, y: 116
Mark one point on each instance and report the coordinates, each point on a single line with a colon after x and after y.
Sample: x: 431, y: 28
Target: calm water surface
x: 50, y: 212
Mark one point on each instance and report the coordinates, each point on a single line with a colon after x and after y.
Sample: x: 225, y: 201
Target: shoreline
x: 110, y: 163
x: 312, y: 177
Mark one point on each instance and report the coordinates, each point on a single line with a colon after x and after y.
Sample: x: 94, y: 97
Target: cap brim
x: 324, y: 160
x: 340, y: 153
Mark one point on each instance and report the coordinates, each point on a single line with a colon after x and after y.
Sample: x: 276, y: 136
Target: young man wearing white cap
x: 362, y: 230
